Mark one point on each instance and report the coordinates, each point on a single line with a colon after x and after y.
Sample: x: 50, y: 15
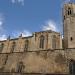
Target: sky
x: 28, y: 16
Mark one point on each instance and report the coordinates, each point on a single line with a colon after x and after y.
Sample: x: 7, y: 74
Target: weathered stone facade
x: 42, y: 61
x: 38, y: 41
x: 69, y: 25
x: 42, y: 53
x: 35, y: 62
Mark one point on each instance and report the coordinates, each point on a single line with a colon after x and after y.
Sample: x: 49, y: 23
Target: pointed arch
x: 1, y: 47
x: 13, y: 46
x: 26, y: 45
x: 20, y: 66
x: 41, y: 45
x: 69, y: 11
x: 72, y: 67
x: 54, y: 42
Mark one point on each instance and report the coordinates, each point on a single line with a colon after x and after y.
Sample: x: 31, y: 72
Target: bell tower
x: 69, y: 25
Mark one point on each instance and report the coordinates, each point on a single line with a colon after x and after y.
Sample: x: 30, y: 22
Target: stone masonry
x: 43, y: 53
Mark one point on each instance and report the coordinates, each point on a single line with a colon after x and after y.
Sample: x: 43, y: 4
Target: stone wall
x: 46, y: 61
x: 28, y: 74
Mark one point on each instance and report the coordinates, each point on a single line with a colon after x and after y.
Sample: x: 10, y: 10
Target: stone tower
x: 69, y: 25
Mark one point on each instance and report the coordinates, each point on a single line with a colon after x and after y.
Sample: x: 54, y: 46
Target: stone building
x: 69, y: 25
x: 43, y: 53
x: 43, y: 40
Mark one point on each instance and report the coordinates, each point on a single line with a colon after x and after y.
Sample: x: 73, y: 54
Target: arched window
x: 13, y: 46
x: 26, y: 45
x: 20, y: 67
x: 72, y: 67
x: 41, y: 41
x: 54, y: 42
x: 69, y: 11
x: 71, y: 38
x: 1, y: 47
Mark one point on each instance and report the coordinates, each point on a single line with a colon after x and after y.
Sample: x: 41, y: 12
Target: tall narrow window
x: 26, y: 45
x: 69, y: 11
x: 1, y: 47
x: 20, y: 67
x: 41, y: 41
x: 54, y: 42
x: 13, y: 46
x: 72, y: 67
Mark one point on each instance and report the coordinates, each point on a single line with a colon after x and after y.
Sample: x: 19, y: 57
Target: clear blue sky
x: 29, y: 15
